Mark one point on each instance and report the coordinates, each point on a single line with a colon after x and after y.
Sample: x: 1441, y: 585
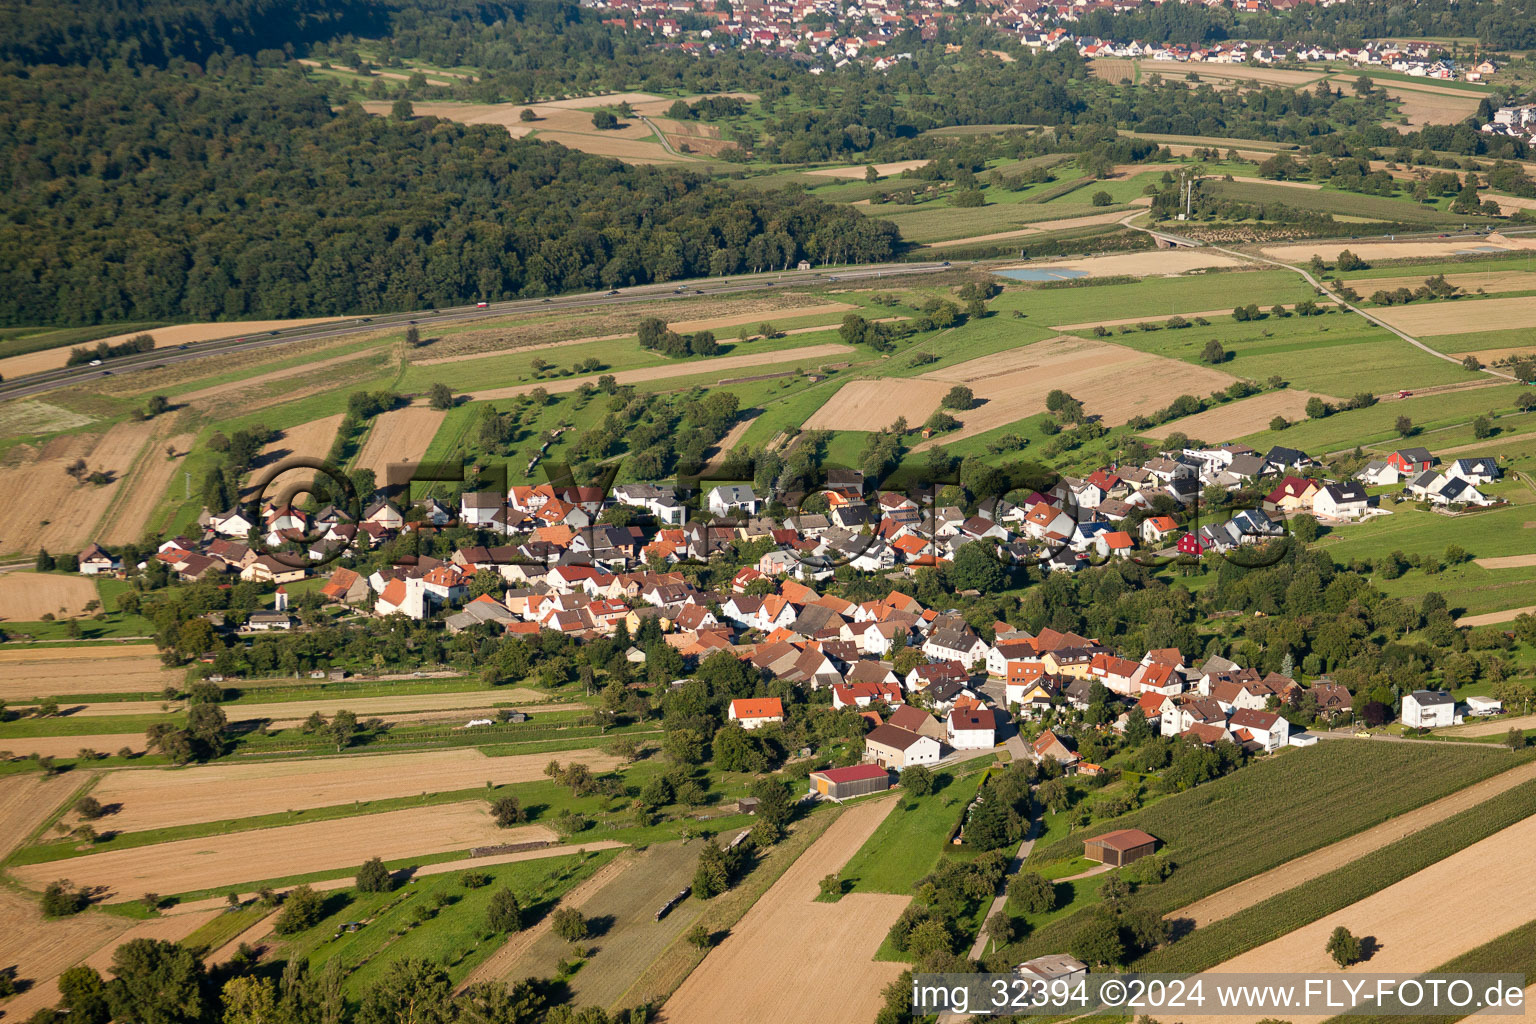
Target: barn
x: 843, y: 783
x: 1120, y: 847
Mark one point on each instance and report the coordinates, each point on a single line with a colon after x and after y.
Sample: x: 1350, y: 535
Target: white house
x: 94, y: 561
x: 973, y: 729
x: 755, y: 712
x: 728, y: 498
x: 1428, y: 709
x: 1474, y: 471
x: 1265, y: 728
x: 1341, y: 501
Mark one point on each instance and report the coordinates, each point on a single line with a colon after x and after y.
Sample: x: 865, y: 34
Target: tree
x: 1097, y: 941
x: 1031, y: 893
x: 1102, y: 198
x: 959, y: 397
x: 1317, y: 408
x: 976, y: 567
x: 918, y: 780
x: 60, y: 899
x: 411, y: 992
x: 45, y: 562
x: 373, y: 876
x: 699, y: 937
x: 1482, y: 428
x: 1213, y: 353
x: 156, y: 982
x: 569, y: 924
x: 603, y: 120
x: 712, y: 876
x: 84, y: 994
x: 302, y: 908
x: 343, y: 729
x: 508, y: 811
x: 504, y: 913
x: 440, y: 396
x: 870, y: 174
x: 89, y: 808
x: 527, y: 115
x: 413, y: 336
x: 1515, y: 738
x: 1343, y: 947
x: 1279, y: 423
x: 1304, y: 528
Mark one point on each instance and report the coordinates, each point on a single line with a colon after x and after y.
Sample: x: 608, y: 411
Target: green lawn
x: 909, y: 842
x: 1152, y: 298
x: 1375, y: 427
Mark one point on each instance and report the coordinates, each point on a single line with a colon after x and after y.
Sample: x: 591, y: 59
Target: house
x: 262, y: 621
x: 1048, y: 744
x: 1294, y: 494
x: 755, y: 712
x: 845, y: 783
x: 973, y: 729
x: 1411, y: 461
x: 1428, y: 709
x: 95, y: 560
x: 956, y: 645
x: 915, y: 719
x: 892, y: 747
x: 1121, y: 847
x: 728, y: 498
x: 660, y: 501
x: 923, y: 677
x: 268, y: 569
x: 862, y: 695
x: 1052, y: 967
x: 1332, y: 698
x: 1474, y: 471
x: 1341, y: 501
x: 1378, y: 473
x: 345, y: 587
x: 1264, y: 728
x: 479, y: 508
x: 1157, y: 529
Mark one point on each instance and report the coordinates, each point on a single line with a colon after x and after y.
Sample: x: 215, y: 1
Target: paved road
x: 979, y: 947
x: 51, y: 380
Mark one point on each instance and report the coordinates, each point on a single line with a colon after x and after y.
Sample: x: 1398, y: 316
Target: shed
x: 1120, y: 847
x: 1484, y: 706
x: 857, y: 780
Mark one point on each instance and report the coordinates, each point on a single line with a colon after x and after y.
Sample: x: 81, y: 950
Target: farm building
x: 1428, y: 709
x: 893, y: 747
x: 1052, y: 967
x: 843, y: 783
x: 1484, y: 706
x: 1120, y: 847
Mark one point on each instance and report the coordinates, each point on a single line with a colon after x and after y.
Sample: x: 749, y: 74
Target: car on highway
x: 613, y: 291
x: 95, y: 362
x: 481, y: 305
x: 679, y: 289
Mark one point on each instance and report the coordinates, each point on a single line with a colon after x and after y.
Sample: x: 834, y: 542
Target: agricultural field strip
x: 363, y: 707
x: 1261, y: 887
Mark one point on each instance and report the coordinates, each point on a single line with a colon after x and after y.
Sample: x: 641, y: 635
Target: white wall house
x: 1428, y: 709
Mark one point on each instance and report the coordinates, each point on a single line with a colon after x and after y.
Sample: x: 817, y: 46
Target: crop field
x: 40, y: 949
x: 1374, y: 427
x: 60, y: 513
x: 937, y: 221
x: 307, y: 440
x: 873, y: 404
x: 1244, y: 416
x: 400, y: 435
x: 178, y: 334
x: 1488, y: 281
x: 162, y: 798
x: 627, y: 937
x: 792, y: 960
x: 1403, y: 211
x: 1257, y: 889
x: 1301, y: 252
x: 26, y: 801
x: 189, y: 865
x: 1013, y: 385
x: 28, y: 596
x: 1223, y: 832
x: 54, y: 671
x: 1438, y: 318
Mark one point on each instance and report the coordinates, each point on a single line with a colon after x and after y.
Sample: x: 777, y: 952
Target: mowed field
x: 1244, y: 416
x: 1430, y: 319
x: 1253, y: 891
x: 56, y: 512
x: 1163, y: 262
x: 128, y: 521
x: 307, y: 440
x: 61, y: 671
x: 28, y: 596
x: 189, y: 865
x: 1113, y: 382
x: 792, y: 960
x: 874, y: 404
x: 1488, y: 281
x: 400, y: 435
x: 1303, y: 251
x: 25, y: 803
x: 161, y: 798
x: 1413, y: 933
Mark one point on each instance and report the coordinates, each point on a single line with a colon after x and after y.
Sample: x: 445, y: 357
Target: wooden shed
x: 1120, y: 847
x: 857, y: 780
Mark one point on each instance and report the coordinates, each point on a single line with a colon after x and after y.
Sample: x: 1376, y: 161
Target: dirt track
x: 1414, y: 933
x: 1497, y: 727
x: 1253, y: 891
x: 160, y: 798
x: 331, y: 846
x: 791, y: 960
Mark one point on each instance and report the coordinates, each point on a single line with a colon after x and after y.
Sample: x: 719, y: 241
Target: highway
x: 52, y: 380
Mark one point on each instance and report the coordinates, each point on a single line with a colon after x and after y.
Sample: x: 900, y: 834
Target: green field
x: 912, y: 838
x: 1375, y: 427
x: 1153, y: 298
x: 1350, y: 204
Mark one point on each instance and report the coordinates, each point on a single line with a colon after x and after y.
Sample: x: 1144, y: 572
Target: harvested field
x: 161, y: 798
x: 1244, y: 416
x: 180, y: 334
x: 1044, y: 226
x: 28, y: 596
x: 1494, y: 618
x: 25, y: 803
x: 874, y: 404
x: 129, y: 519
x: 1426, y: 104
x: 857, y: 172
x: 41, y: 949
x: 635, y: 150
x: 1158, y: 263
x: 69, y: 746
x: 1494, y: 727
x: 67, y: 512
x: 1259, y: 888
x: 30, y: 416
x: 1012, y: 385
x: 1114, y: 70
x: 716, y: 323
x: 1490, y: 281
x: 307, y: 440
x: 791, y: 960
x: 187, y: 865
x: 363, y: 707
x: 1413, y: 933
x: 1301, y: 252
x: 60, y: 671
x: 203, y: 396
x: 1229, y: 72
x: 400, y: 435
x: 805, y: 356
x: 1508, y: 562
x: 1431, y: 319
